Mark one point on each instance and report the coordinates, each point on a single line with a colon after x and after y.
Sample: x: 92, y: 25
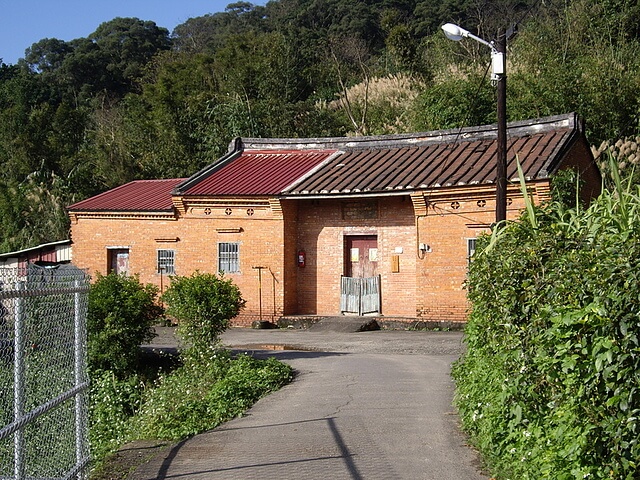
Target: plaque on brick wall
x: 360, y: 210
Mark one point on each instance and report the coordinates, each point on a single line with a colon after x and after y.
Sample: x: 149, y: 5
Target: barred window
x: 471, y: 248
x: 229, y: 257
x: 166, y: 262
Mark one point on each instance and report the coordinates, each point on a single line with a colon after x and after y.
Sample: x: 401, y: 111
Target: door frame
x: 346, y: 270
x: 359, y: 295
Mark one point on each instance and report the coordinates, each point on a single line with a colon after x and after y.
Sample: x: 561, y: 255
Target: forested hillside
x: 133, y: 100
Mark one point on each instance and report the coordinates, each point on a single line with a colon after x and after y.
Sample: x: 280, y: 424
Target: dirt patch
x: 128, y: 458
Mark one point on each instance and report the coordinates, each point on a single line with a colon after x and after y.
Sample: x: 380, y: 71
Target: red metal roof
x: 255, y: 172
x: 413, y: 161
x: 139, y: 195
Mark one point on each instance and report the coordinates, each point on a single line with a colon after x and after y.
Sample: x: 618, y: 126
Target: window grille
x: 471, y: 248
x: 228, y: 257
x: 167, y: 262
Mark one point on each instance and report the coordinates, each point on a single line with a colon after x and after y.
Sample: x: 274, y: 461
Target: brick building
x: 293, y: 221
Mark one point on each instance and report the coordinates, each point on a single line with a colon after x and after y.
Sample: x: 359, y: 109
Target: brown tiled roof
x: 139, y: 195
x: 254, y: 172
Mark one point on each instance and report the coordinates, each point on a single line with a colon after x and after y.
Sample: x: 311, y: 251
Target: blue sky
x: 24, y: 22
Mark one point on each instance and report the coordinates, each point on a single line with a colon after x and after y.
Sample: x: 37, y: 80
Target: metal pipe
x: 18, y: 382
x: 79, y: 342
x: 259, y: 268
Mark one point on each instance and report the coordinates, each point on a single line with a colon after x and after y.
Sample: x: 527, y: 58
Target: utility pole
x: 501, y: 167
x: 499, y: 78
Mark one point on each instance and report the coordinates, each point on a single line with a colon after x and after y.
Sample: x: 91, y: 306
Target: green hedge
x: 549, y: 386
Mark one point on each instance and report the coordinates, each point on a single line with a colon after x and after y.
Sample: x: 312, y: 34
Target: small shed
x: 54, y: 253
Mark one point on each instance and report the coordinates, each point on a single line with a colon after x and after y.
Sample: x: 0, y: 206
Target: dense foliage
x: 120, y: 318
x: 134, y: 101
x: 170, y: 398
x: 201, y: 395
x: 549, y: 385
x: 195, y: 397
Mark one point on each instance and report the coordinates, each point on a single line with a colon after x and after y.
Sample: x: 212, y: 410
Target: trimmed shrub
x: 203, y: 304
x: 120, y: 318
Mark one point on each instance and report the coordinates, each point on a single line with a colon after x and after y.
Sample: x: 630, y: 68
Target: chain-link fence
x: 43, y: 379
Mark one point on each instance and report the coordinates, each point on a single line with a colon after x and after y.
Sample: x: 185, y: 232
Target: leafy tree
x: 47, y: 55
x: 208, y: 33
x: 111, y: 59
x: 33, y: 212
x: 120, y: 318
x: 458, y: 102
x: 165, y: 127
x: 579, y: 58
x: 126, y: 46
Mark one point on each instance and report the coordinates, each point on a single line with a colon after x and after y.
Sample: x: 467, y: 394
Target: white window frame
x: 166, y: 258
x: 229, y: 257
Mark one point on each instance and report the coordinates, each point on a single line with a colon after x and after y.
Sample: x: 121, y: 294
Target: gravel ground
x: 377, y: 341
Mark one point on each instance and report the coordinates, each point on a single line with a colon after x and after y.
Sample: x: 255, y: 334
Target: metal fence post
x: 18, y: 379
x: 79, y: 342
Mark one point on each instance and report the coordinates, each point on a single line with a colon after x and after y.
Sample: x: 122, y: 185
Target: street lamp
x: 499, y: 76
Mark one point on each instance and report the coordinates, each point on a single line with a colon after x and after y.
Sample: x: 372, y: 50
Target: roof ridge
x: 518, y: 128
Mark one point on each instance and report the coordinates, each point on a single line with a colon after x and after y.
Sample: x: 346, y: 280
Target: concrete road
x: 372, y: 405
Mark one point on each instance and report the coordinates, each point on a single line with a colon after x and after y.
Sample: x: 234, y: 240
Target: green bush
x: 112, y: 403
x: 203, y: 304
x: 120, y: 318
x: 201, y: 395
x: 549, y: 384
x: 191, y: 399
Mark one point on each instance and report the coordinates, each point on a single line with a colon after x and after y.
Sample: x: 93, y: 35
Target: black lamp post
x: 499, y: 77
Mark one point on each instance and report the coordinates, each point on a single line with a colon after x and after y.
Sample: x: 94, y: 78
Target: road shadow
x: 288, y: 353
x: 346, y: 456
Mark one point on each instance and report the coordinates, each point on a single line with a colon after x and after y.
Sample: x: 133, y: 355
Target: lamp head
x: 454, y: 32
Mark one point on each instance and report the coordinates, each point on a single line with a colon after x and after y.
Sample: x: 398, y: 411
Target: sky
x: 24, y: 22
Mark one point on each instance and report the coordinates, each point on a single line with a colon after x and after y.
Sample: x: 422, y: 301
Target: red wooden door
x: 361, y: 256
x: 119, y: 261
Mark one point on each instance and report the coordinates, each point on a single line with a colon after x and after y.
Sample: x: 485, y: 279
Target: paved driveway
x: 371, y: 405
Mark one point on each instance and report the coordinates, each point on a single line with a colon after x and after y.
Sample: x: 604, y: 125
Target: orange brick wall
x: 449, y: 222
x: 261, y: 242
x: 270, y: 233
x: 321, y: 234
